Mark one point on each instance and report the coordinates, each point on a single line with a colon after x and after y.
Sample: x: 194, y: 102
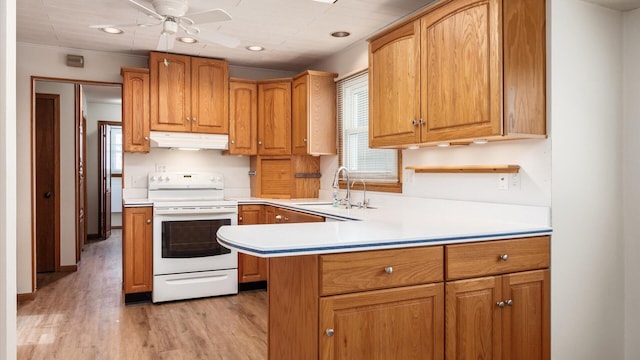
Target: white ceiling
x: 295, y: 33
x: 103, y: 94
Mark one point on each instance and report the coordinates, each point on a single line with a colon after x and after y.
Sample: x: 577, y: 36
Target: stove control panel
x: 186, y: 180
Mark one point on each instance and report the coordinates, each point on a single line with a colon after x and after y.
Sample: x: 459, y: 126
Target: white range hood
x: 163, y: 139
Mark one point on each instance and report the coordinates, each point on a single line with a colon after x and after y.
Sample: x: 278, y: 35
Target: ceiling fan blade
x: 146, y: 10
x: 166, y: 41
x: 102, y: 26
x: 209, y: 16
x: 217, y: 38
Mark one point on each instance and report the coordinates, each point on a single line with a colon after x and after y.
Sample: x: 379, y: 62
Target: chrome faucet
x: 365, y: 203
x: 336, y: 185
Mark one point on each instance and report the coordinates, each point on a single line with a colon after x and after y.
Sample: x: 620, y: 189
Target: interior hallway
x: 82, y: 315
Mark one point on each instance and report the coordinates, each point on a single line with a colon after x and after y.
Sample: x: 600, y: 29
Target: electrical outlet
x: 407, y: 176
x: 503, y: 182
x: 161, y: 168
x: 515, y: 181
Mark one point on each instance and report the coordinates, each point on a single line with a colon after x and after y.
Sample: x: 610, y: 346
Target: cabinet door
x: 209, y: 96
x: 135, y: 110
x: 170, y: 92
x: 462, y: 71
x: 243, y: 117
x: 274, y: 177
x: 526, y: 317
x: 394, y: 87
x: 473, y: 319
x: 300, y: 115
x: 402, y: 323
x: 251, y: 268
x: 274, y: 118
x: 137, y: 250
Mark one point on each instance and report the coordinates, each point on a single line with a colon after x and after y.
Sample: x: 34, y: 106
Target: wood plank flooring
x: 82, y: 315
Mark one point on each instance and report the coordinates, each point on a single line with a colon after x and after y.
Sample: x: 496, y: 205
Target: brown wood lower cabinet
x: 341, y: 306
x: 137, y: 250
x: 401, y: 323
x: 251, y: 268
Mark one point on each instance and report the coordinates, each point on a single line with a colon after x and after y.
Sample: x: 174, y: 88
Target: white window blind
x: 377, y: 165
x: 116, y: 149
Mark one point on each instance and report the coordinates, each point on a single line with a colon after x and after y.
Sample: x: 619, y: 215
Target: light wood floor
x: 82, y: 315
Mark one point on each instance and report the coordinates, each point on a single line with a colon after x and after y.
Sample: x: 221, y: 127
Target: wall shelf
x: 476, y: 169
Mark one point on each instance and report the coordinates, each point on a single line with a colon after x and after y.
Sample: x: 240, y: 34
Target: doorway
x: 110, y: 155
x: 47, y: 175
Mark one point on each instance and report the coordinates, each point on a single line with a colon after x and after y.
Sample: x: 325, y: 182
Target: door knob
x: 47, y: 194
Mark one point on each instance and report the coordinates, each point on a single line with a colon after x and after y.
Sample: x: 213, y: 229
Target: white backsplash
x: 137, y: 165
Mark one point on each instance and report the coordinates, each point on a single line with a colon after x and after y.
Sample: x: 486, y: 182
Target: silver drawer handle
x: 500, y: 304
x: 509, y: 302
x: 388, y: 270
x: 329, y: 332
x: 504, y: 257
x: 148, y: 221
x: 278, y: 217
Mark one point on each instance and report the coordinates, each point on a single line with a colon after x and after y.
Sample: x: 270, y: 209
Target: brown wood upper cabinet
x: 189, y: 94
x: 314, y: 113
x: 274, y: 117
x: 243, y: 117
x: 135, y: 109
x: 461, y: 70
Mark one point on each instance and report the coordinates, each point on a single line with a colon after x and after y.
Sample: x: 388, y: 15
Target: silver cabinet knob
x: 278, y: 217
x: 233, y: 141
x: 500, y: 304
x: 146, y: 138
x: 305, y: 139
x: 286, y: 218
x: 188, y: 118
x: 259, y: 142
x: 194, y: 119
x: 504, y: 257
x: 329, y: 332
x: 388, y: 270
x: 240, y: 218
x: 148, y: 221
x: 509, y: 302
x: 415, y: 122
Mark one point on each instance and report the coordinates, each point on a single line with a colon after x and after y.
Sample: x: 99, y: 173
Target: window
x: 116, y: 149
x: 378, y: 167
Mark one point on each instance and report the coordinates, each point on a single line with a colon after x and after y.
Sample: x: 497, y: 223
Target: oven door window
x: 192, y: 238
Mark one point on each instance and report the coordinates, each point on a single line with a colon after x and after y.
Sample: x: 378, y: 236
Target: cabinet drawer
x: 351, y: 272
x: 486, y: 258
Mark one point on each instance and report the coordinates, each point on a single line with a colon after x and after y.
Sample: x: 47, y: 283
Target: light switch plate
x: 503, y: 182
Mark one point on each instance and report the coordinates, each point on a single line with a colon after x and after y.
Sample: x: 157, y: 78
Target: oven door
x: 186, y: 242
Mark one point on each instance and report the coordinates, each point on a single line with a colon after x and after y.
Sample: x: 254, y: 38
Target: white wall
x: 7, y: 180
x: 631, y: 175
x: 137, y: 165
x: 587, y: 289
x: 67, y: 167
x: 96, y: 112
x: 33, y: 60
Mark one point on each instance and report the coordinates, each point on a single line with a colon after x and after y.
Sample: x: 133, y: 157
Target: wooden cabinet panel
x: 473, y: 323
x: 359, y: 271
x: 283, y: 216
x: 285, y: 176
x: 170, y: 92
x: 251, y: 268
x: 209, y: 96
x: 274, y: 117
x: 403, y: 323
x: 135, y: 109
x: 394, y: 87
x: 524, y: 44
x: 137, y: 250
x: 314, y: 113
x: 486, y: 258
x: 526, y: 317
x: 462, y: 71
x: 243, y: 117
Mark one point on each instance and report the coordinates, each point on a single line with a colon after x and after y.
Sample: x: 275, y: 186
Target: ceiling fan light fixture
x: 187, y: 40
x: 254, y: 48
x: 340, y: 34
x: 111, y: 30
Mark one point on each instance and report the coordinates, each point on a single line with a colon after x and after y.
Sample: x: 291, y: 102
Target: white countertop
x: 408, y: 222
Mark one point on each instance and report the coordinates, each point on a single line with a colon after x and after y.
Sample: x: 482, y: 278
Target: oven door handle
x: 198, y: 211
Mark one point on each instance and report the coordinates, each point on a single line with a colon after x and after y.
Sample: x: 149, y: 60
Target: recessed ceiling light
x: 254, y: 48
x: 327, y: 1
x: 111, y: 30
x: 187, y: 40
x: 340, y: 34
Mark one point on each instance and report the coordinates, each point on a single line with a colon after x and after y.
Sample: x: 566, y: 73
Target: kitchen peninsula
x: 390, y: 282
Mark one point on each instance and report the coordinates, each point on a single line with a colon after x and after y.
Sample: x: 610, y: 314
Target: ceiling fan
x: 173, y: 16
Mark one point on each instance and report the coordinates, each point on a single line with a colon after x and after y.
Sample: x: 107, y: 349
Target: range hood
x: 163, y: 139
